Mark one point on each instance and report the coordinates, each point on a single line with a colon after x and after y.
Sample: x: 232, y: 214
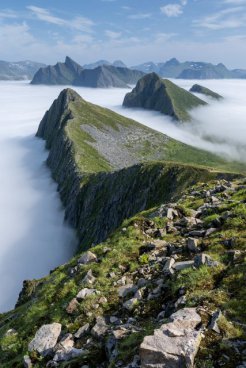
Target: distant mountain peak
x: 154, y: 93
x: 173, y: 62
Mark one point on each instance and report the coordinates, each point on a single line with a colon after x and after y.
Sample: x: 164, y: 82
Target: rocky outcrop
x: 174, y: 344
x: 197, y: 88
x: 45, y: 339
x: 154, y: 93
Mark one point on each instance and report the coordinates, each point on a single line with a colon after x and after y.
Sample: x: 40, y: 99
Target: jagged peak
x: 151, y: 77
x: 69, y: 95
x: 69, y: 60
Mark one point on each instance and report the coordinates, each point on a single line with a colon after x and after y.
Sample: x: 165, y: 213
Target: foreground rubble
x: 166, y: 290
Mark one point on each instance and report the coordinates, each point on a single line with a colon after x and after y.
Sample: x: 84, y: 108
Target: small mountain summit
x: 154, y: 93
x: 197, y: 88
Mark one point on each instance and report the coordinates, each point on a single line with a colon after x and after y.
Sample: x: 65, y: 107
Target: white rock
x: 87, y: 257
x: 45, y: 339
x: 178, y: 266
x: 84, y: 293
x: 175, y: 344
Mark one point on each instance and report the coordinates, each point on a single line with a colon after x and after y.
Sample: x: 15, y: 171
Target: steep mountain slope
x: 205, y: 91
x: 100, y: 77
x: 18, y: 70
x: 101, y: 160
x: 61, y: 73
x: 107, y: 76
x: 97, y: 308
x: 176, y: 271
x: 154, y: 93
x: 71, y: 73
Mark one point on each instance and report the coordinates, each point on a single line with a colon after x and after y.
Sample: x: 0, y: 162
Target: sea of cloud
x: 219, y: 127
x: 34, y: 238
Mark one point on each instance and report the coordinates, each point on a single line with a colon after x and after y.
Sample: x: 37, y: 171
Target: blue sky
x: 132, y: 30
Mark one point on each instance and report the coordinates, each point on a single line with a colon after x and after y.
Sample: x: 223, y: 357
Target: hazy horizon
x: 112, y: 29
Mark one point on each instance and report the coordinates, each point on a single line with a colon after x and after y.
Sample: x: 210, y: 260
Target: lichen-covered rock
x: 100, y: 328
x: 72, y: 306
x: 45, y: 339
x: 174, y: 344
x: 87, y: 257
x: 84, y: 293
x: 82, y: 331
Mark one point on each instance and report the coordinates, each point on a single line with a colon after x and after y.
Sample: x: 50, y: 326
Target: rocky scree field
x: 165, y: 289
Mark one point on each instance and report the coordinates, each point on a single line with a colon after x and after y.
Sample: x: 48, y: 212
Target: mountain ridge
x: 154, y: 93
x: 71, y: 73
x: 20, y: 70
x: 190, y: 70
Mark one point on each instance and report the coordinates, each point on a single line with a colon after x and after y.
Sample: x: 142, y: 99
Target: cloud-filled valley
x: 34, y: 238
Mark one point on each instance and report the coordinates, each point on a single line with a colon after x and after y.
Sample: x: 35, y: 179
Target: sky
x: 134, y: 31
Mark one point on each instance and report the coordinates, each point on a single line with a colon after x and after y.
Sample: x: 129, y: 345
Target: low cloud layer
x: 34, y: 238
x: 219, y: 127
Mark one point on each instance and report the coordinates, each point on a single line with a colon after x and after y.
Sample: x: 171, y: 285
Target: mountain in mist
x: 20, y: 70
x: 71, y: 73
x: 61, y: 73
x: 239, y: 73
x: 117, y: 63
x: 154, y: 93
x: 189, y: 70
x: 197, y: 88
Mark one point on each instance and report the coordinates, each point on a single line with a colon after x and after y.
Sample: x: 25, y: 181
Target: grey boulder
x: 174, y: 344
x: 45, y: 339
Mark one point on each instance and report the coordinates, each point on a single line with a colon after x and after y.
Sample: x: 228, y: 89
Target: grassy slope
x: 220, y: 287
x: 182, y: 100
x: 205, y: 91
x: 168, y: 149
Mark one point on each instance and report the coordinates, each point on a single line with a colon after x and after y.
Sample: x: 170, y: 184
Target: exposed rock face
x: 205, y: 91
x: 61, y: 73
x: 45, y: 339
x: 102, y: 76
x: 154, y: 93
x: 90, y: 192
x: 175, y: 344
x: 106, y: 76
